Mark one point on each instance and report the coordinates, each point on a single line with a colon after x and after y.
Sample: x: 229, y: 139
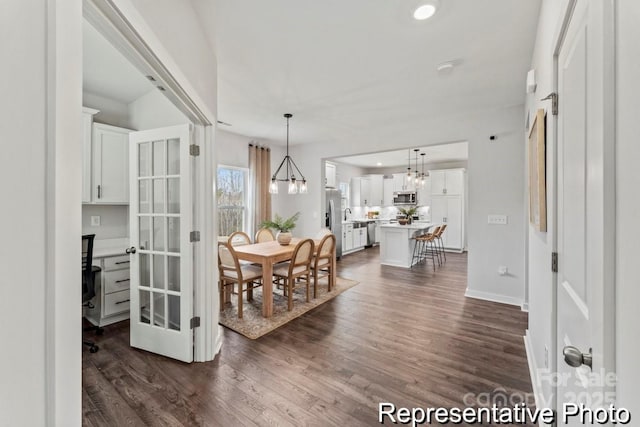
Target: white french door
x: 585, y: 226
x: 161, y: 217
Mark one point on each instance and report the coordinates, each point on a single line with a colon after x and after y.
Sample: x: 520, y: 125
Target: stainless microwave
x: 404, y: 198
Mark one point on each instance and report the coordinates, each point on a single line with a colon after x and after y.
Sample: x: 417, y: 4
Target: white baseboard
x: 533, y: 373
x: 487, y: 296
x: 525, y: 307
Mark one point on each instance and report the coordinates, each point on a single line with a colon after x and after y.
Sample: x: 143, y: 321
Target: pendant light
x: 296, y: 181
x: 415, y: 150
x: 423, y: 176
x: 409, y: 168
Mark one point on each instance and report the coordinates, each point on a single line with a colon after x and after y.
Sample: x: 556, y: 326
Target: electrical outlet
x: 497, y: 219
x: 95, y: 221
x: 546, y: 356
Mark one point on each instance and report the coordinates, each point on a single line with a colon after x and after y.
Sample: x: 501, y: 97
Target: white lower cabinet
x: 111, y: 303
x: 449, y: 210
x: 347, y: 237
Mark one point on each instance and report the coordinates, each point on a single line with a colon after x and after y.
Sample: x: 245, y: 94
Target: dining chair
x: 238, y: 238
x: 322, y: 264
x: 264, y: 235
x: 298, y: 267
x: 248, y: 277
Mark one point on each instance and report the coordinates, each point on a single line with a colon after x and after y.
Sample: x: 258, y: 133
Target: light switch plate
x: 95, y: 221
x: 497, y: 219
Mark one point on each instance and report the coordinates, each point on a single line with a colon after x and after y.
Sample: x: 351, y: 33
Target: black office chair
x: 88, y: 284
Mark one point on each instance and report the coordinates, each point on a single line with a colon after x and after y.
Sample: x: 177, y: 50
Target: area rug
x: 253, y: 325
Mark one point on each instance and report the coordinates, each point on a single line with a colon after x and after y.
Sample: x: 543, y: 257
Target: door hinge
x: 554, y: 262
x: 194, y: 236
x: 194, y: 150
x: 554, y: 102
x: 195, y: 322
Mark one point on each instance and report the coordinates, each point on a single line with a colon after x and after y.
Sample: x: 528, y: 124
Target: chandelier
x: 292, y: 175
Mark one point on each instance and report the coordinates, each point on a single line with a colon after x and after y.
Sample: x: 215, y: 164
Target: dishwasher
x: 371, y: 233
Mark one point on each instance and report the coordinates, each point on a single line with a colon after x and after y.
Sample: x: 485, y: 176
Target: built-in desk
x: 396, y: 243
x: 111, y: 303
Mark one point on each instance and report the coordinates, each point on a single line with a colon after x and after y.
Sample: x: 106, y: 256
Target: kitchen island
x: 396, y: 243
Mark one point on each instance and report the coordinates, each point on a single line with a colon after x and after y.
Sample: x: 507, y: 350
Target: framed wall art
x: 537, y: 172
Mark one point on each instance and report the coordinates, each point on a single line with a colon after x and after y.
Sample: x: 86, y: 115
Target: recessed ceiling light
x: 423, y: 12
x: 379, y: 164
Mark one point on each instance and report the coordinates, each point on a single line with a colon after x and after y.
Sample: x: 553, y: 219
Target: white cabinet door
x: 161, y: 213
x: 424, y: 193
x: 365, y: 191
x: 398, y: 181
x: 454, y: 182
x: 454, y: 219
x: 354, y: 190
x: 438, y: 182
x: 347, y: 243
x: 87, y: 128
x: 376, y: 183
x: 363, y: 237
x: 110, y: 148
x: 387, y: 192
x: 330, y: 175
x: 438, y: 209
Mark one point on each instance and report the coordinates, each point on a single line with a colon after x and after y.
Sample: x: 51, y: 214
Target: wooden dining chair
x: 238, y: 238
x: 264, y: 235
x: 298, y: 267
x: 248, y: 277
x: 322, y: 264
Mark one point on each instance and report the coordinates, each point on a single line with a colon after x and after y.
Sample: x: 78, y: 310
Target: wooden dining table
x: 267, y: 254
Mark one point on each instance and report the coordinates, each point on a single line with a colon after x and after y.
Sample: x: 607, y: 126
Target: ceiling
x: 106, y: 72
x: 433, y: 154
x: 348, y: 70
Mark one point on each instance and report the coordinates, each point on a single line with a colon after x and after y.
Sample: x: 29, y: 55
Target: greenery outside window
x: 232, y: 199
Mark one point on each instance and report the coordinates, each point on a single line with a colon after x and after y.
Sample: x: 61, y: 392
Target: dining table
x: 269, y: 253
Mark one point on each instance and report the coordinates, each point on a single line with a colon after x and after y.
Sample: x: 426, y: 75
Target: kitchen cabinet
x: 354, y: 192
x: 111, y: 303
x: 87, y: 129
x: 359, y: 237
x: 329, y: 175
x: 347, y: 237
x: 424, y: 193
x: 447, y: 181
x: 401, y: 183
x: 375, y: 190
x: 450, y: 210
x: 110, y: 167
x: 365, y: 191
x: 387, y: 191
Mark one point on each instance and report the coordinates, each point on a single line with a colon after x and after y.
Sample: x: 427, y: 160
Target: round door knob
x: 575, y: 358
x: 131, y: 250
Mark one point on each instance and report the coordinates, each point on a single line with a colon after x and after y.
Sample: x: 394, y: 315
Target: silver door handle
x: 99, y: 191
x: 575, y: 358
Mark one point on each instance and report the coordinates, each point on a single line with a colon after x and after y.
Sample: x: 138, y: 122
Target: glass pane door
x: 161, y: 276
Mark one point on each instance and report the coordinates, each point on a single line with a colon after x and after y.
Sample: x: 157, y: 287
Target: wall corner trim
x: 533, y: 373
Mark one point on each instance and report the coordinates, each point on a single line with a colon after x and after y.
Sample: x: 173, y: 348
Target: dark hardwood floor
x: 409, y: 337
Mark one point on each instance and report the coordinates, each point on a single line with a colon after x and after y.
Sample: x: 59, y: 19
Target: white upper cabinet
x: 375, y: 190
x: 87, y: 126
x: 354, y: 190
x: 330, y: 175
x: 424, y: 193
x: 365, y: 191
x: 387, y: 191
x: 401, y: 183
x: 110, y: 171
x: 447, y: 181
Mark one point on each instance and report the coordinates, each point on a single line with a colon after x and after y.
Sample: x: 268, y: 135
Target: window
x: 231, y: 195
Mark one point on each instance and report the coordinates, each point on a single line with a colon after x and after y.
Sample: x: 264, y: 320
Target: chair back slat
x: 239, y: 238
x: 302, y: 253
x: 326, y: 246
x: 264, y: 235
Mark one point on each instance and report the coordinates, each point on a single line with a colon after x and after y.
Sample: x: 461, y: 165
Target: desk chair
x: 88, y: 284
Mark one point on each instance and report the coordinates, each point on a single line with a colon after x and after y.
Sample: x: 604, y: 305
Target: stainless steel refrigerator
x: 333, y: 216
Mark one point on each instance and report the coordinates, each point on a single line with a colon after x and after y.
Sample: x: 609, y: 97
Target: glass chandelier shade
x: 297, y: 183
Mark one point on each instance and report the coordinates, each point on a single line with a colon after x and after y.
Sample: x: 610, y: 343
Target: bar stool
x: 440, y: 241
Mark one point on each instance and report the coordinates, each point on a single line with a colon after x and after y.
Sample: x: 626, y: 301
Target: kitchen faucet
x: 345, y: 213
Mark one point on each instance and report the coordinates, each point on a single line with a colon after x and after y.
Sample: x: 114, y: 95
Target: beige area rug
x: 253, y: 325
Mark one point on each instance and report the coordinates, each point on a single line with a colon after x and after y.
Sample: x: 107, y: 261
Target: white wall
x: 114, y: 221
x: 40, y: 171
x: 111, y: 112
x: 154, y: 110
x: 627, y: 205
x: 540, y: 245
x: 505, y: 247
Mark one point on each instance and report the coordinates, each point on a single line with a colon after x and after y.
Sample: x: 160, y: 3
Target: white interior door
x: 161, y: 220
x: 585, y: 225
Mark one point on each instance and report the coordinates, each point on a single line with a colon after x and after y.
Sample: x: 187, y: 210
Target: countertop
x: 103, y: 248
x: 412, y: 226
